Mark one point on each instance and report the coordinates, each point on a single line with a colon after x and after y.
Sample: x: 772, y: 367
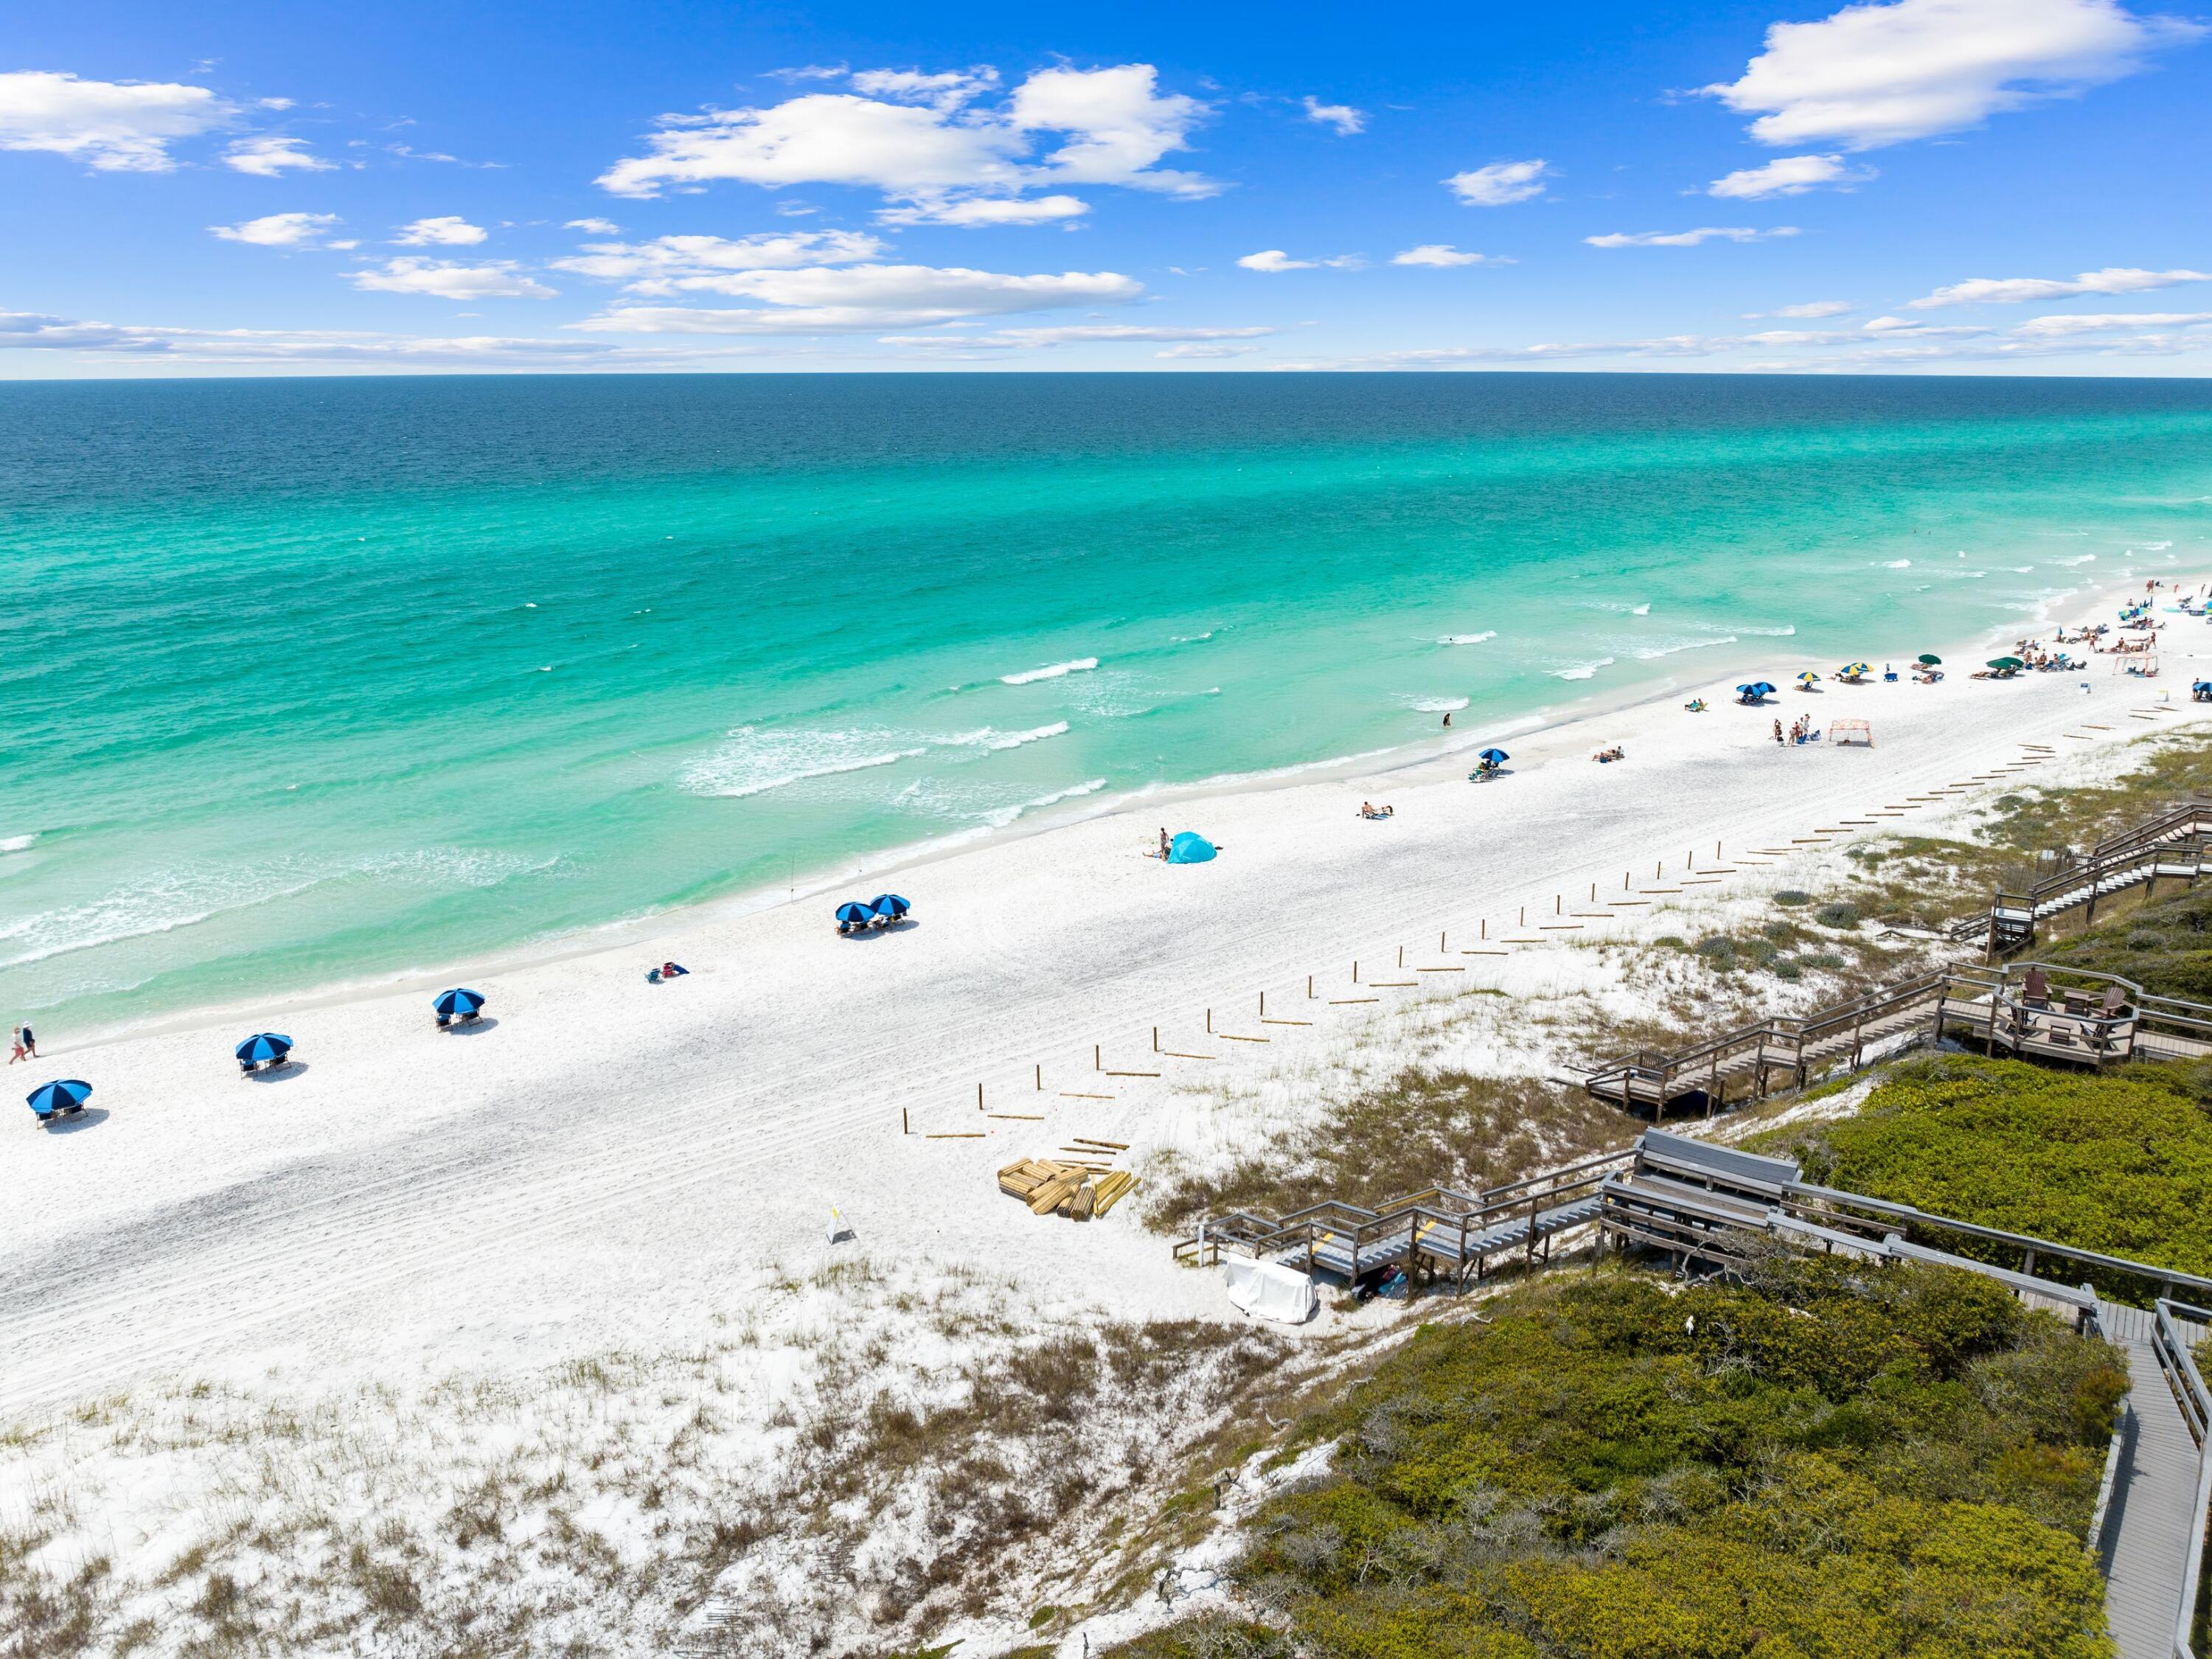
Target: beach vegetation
x: 1820, y: 1459
x: 1420, y: 1126
x: 2165, y: 946
x: 2118, y: 1163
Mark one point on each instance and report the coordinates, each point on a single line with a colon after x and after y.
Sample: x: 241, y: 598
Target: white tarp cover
x: 1267, y: 1290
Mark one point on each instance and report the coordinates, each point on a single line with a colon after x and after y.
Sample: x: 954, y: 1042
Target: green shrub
x: 1805, y: 1464
x: 2120, y: 1163
x: 1841, y: 913
x: 1790, y: 896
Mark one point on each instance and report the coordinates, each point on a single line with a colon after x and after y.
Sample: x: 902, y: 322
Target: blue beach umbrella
x: 1495, y: 756
x: 263, y: 1046
x: 890, y: 905
x: 1189, y: 848
x: 853, y: 913
x: 1760, y: 688
x: 67, y: 1095
x: 457, y: 1002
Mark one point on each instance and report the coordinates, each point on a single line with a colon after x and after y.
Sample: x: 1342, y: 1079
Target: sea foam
x: 1467, y: 639
x: 1052, y: 671
x: 17, y: 843
x: 1582, y: 671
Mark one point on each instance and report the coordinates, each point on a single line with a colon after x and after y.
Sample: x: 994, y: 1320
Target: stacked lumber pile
x: 1080, y: 1184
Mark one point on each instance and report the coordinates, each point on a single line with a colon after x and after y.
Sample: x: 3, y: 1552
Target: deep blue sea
x: 311, y: 680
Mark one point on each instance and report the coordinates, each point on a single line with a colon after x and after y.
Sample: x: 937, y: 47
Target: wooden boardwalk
x: 1989, y: 1006
x: 2155, y: 1528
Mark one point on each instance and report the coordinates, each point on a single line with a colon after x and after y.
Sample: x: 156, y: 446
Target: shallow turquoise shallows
x: 305, y: 681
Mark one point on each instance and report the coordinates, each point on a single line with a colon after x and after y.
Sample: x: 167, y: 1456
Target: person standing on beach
x: 30, y: 1043
x: 16, y: 1043
x: 1778, y: 728
x: 1163, y: 841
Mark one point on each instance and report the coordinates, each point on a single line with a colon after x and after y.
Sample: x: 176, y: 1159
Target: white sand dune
x: 607, y: 1158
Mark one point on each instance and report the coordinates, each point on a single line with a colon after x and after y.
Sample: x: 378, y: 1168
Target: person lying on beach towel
x: 1696, y: 705
x: 1369, y: 810
x: 1605, y: 757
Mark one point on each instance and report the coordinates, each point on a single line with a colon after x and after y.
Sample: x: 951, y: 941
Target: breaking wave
x: 1052, y: 671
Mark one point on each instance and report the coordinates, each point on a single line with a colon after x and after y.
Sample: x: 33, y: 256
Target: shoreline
x: 640, y: 932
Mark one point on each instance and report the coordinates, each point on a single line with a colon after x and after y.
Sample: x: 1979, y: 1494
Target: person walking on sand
x: 1777, y: 729
x: 15, y: 1044
x: 30, y: 1043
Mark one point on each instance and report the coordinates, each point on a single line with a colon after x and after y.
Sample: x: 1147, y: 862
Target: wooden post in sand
x: 1355, y: 970
x: 979, y: 1096
x: 1040, y: 1070
x: 1309, y: 989
x: 1401, y: 956
x: 905, y: 1128
x: 1209, y: 1019
x: 1097, y: 1060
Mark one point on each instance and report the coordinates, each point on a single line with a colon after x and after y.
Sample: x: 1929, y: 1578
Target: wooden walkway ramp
x: 2077, y: 1020
x: 2172, y: 845
x: 2153, y: 1532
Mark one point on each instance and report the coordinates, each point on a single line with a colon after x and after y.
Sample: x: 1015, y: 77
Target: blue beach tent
x: 68, y: 1095
x: 1189, y: 848
x: 889, y: 906
x: 263, y: 1046
x: 457, y: 1003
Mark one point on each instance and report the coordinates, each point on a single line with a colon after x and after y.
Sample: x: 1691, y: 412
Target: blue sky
x: 1920, y: 186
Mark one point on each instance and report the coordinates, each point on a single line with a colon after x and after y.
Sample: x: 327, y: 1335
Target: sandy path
x: 611, y: 1161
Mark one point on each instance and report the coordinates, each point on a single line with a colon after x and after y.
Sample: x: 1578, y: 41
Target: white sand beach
x: 603, y: 1158
x: 454, y: 1256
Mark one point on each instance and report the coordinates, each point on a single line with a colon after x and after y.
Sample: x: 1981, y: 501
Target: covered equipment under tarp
x: 1850, y: 732
x: 1189, y: 848
x: 1267, y: 1290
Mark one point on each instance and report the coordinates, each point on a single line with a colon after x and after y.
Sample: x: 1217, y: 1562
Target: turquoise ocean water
x: 305, y: 681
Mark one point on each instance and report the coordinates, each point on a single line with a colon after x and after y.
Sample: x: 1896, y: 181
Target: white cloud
x: 1116, y: 125
x: 278, y: 229
x: 1274, y: 258
x: 1810, y: 308
x: 847, y: 299
x: 268, y: 156
x: 114, y: 126
x: 274, y: 103
x: 1078, y: 334
x: 970, y: 212
x: 1900, y: 328
x: 1687, y: 238
x: 2102, y: 322
x: 449, y: 230
x: 947, y: 91
x: 1444, y: 254
x: 596, y: 227
x: 1346, y: 120
x: 656, y: 266
x: 195, y: 349
x: 1873, y: 74
x: 2018, y: 291
x: 1501, y: 184
x: 1206, y: 351
x: 1788, y: 175
x: 444, y: 279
